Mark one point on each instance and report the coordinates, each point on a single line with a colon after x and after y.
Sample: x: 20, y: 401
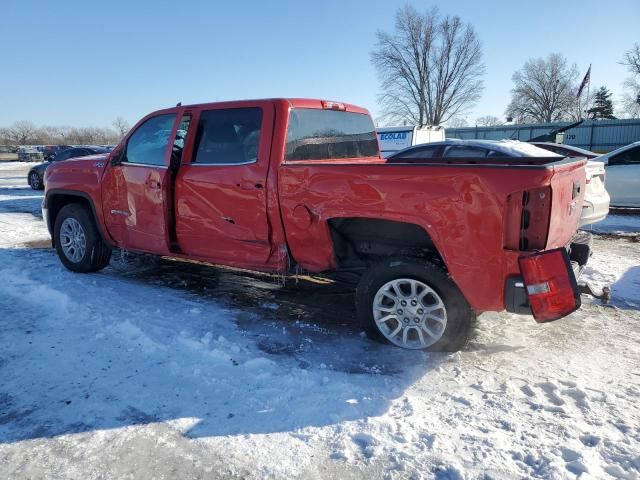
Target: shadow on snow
x: 149, y: 341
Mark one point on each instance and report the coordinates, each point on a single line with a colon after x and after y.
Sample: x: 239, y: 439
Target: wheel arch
x: 55, y: 200
x: 357, y: 241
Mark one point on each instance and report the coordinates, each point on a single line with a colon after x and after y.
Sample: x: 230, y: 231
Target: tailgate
x: 568, y: 185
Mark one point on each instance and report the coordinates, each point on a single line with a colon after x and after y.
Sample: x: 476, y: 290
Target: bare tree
x: 544, y: 90
x: 4, y: 136
x: 579, y: 107
x: 631, y: 95
x: 488, y: 121
x: 121, y: 126
x: 25, y: 133
x: 21, y: 133
x: 457, y: 122
x: 631, y: 59
x: 430, y: 67
x: 631, y: 99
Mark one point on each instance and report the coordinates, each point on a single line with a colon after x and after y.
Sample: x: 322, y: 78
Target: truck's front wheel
x: 78, y: 242
x: 413, y: 305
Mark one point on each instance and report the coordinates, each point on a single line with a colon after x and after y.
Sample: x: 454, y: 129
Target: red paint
x: 266, y: 214
x: 134, y: 207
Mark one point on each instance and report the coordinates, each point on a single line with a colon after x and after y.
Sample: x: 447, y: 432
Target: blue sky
x: 84, y: 63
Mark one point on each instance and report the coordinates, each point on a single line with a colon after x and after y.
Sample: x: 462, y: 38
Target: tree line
x: 431, y: 73
x: 27, y: 133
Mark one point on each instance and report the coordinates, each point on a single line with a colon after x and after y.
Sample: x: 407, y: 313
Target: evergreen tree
x: 602, y: 105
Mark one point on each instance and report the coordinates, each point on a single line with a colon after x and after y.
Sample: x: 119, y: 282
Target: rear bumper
x: 515, y: 294
x: 594, y: 209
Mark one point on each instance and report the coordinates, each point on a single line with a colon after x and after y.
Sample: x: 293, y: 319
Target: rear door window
x: 228, y: 136
x: 631, y: 156
x: 496, y: 153
x: 557, y: 150
x: 62, y: 155
x: 420, y: 152
x: 315, y: 134
x: 465, y: 152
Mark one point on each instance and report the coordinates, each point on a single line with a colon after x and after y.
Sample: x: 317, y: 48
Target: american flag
x: 585, y: 80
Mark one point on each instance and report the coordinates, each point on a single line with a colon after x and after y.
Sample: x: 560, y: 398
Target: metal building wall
x: 596, y: 135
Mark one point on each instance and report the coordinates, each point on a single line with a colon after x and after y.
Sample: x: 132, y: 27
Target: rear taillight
x: 550, y: 283
x: 527, y: 223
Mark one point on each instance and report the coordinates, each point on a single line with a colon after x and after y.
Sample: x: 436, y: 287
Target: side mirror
x: 117, y: 157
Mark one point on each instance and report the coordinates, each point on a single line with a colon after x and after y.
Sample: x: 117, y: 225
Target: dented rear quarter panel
x: 462, y: 208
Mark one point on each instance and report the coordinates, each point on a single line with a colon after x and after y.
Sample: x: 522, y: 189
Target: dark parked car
x: 50, y: 151
x: 453, y: 148
x: 36, y: 174
x: 596, y: 201
x: 566, y: 150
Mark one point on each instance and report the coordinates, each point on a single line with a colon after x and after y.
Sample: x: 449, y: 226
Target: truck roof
x: 293, y: 103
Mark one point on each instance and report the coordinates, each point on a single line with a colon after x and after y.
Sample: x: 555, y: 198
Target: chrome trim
x: 142, y: 165
x: 217, y: 164
x: 120, y: 212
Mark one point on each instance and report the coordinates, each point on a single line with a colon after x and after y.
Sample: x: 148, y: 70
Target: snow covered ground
x: 151, y: 369
x: 616, y: 223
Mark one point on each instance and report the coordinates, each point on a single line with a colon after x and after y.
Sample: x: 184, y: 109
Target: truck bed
x: 469, y: 210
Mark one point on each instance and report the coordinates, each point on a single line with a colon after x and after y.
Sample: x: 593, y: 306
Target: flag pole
x: 588, y: 87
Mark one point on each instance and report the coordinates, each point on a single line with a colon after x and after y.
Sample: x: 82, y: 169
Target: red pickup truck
x: 285, y: 185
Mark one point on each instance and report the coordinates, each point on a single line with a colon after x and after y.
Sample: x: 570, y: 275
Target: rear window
x: 421, y: 152
x: 329, y: 134
x: 465, y: 152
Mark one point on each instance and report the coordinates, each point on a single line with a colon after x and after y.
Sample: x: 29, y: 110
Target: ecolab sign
x: 394, y: 141
x: 393, y: 136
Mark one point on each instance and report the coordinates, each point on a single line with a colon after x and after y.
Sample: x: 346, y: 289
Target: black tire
x: 581, y: 247
x: 35, y: 182
x: 459, y: 316
x: 96, y: 254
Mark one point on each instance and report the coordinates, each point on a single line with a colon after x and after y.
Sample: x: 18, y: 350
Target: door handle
x: 249, y: 185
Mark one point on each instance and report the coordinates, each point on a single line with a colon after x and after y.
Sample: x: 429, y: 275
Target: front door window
x: 148, y: 144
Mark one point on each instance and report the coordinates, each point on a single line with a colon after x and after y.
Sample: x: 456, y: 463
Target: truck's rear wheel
x: 413, y: 305
x: 78, y: 242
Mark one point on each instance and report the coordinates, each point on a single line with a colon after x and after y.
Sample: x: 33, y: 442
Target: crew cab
x: 289, y: 185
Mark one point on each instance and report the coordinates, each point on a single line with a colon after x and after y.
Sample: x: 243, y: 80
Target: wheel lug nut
x: 406, y: 320
x: 417, y: 320
x: 403, y: 303
x: 414, y: 303
x: 420, y: 311
x: 400, y: 311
